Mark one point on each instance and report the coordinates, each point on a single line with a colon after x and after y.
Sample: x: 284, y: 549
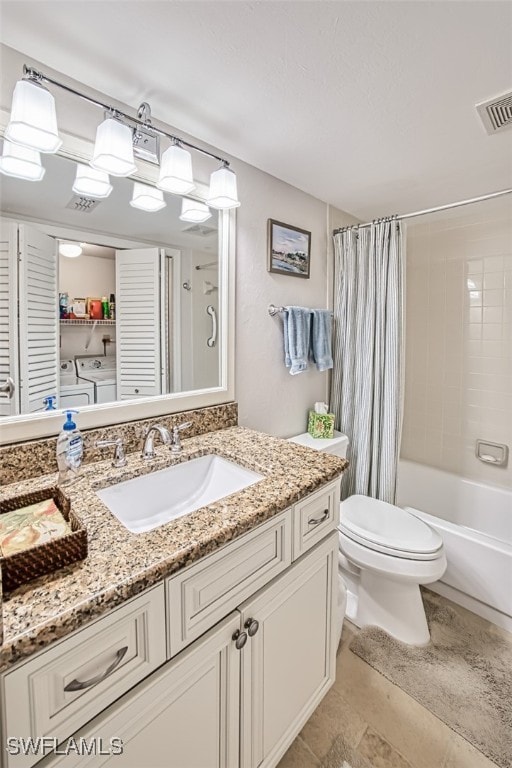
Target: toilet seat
x: 384, y: 528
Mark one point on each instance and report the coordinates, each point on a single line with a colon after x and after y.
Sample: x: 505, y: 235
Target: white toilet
x: 385, y: 554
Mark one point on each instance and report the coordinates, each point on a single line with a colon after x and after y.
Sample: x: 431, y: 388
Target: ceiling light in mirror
x: 21, y: 162
x: 91, y: 183
x: 193, y: 211
x: 33, y: 121
x: 176, y: 171
x: 147, y: 198
x: 223, y: 193
x: 70, y: 250
x: 113, y: 149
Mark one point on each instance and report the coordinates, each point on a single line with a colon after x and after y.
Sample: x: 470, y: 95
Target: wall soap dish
x: 492, y: 453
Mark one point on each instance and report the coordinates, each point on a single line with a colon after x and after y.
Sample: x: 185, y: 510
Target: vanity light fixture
x: 33, y: 122
x: 223, y: 193
x: 113, y: 149
x: 147, y: 198
x: 20, y: 162
x: 91, y: 183
x: 192, y: 210
x: 176, y: 171
x: 119, y: 138
x: 70, y: 250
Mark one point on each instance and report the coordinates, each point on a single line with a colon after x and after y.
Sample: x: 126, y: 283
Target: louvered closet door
x: 9, y: 406
x: 39, y: 322
x: 138, y: 323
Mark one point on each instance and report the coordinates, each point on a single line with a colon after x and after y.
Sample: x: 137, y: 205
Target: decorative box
x: 321, y: 425
x: 21, y: 567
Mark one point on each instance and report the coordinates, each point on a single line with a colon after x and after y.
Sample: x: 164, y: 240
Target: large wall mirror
x: 136, y: 321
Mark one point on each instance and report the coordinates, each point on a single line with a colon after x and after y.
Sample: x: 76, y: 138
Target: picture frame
x: 289, y: 249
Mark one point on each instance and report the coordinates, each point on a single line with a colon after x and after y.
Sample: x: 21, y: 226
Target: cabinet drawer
x: 64, y: 687
x: 314, y: 517
x: 207, y: 591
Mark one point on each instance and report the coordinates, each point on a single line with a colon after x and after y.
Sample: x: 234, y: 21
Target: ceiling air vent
x: 82, y: 204
x: 496, y: 114
x: 200, y: 229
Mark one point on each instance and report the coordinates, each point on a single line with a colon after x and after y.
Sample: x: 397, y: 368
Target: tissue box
x: 321, y: 424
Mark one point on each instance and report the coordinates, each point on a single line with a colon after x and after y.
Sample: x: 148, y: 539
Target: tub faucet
x: 148, y: 448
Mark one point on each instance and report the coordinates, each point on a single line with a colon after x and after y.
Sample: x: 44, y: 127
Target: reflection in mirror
x: 101, y: 301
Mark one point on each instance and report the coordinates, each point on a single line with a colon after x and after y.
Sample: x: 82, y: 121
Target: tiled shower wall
x: 458, y: 374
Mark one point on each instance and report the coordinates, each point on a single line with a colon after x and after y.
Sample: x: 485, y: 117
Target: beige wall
x: 459, y: 339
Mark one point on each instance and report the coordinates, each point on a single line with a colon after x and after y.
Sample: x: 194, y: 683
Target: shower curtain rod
x: 434, y: 210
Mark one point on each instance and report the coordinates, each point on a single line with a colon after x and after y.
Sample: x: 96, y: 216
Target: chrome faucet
x: 119, y: 459
x: 148, y: 448
x: 176, y: 439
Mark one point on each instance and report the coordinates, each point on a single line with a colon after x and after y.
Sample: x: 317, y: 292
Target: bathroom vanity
x: 207, y: 641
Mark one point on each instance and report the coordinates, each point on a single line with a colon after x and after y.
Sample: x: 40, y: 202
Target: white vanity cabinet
x: 238, y: 695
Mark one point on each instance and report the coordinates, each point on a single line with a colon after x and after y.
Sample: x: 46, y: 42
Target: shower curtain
x: 366, y: 392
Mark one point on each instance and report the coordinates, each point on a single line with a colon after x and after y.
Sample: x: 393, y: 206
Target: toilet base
x: 395, y: 606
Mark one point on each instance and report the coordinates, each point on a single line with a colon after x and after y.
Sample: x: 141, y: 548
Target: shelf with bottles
x: 82, y: 321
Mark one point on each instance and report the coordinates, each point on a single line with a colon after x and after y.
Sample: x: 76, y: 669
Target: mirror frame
x: 14, y: 429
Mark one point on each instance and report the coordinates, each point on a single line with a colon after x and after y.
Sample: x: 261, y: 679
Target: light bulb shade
x: 20, y: 162
x: 71, y: 250
x: 91, y: 183
x: 113, y: 150
x: 147, y: 198
x: 176, y: 171
x: 191, y: 210
x: 223, y: 193
x: 33, y: 122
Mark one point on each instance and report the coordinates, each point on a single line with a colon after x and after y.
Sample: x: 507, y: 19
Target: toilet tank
x: 337, y: 445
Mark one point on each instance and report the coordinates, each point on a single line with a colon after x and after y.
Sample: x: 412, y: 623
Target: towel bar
x: 273, y: 310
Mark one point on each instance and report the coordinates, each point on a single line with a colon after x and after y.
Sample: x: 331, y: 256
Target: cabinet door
x: 9, y: 403
x: 138, y: 320
x: 38, y: 318
x: 289, y: 663
x: 185, y: 715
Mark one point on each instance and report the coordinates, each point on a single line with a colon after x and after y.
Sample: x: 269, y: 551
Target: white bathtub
x: 475, y: 521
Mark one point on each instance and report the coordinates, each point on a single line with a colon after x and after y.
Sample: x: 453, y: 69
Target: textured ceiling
x: 369, y: 106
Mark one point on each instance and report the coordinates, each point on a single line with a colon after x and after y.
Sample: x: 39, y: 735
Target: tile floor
x: 379, y: 725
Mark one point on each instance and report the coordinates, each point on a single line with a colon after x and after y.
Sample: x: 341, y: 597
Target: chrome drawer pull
x: 318, y: 520
x: 78, y: 685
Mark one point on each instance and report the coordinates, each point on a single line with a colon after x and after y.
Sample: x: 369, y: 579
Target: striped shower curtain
x: 366, y: 393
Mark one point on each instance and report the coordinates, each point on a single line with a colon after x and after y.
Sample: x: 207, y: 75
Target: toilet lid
x: 386, y: 528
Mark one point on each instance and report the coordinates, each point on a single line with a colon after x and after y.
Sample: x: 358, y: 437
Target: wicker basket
x: 24, y: 566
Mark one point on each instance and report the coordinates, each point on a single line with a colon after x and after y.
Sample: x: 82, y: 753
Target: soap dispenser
x: 70, y: 448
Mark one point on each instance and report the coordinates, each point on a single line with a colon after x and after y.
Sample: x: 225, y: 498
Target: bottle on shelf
x: 105, y: 307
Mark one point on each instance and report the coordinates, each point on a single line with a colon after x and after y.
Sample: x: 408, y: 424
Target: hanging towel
x: 296, y: 331
x: 321, y: 333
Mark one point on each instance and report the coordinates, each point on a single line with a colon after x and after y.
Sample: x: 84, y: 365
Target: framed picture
x: 289, y: 249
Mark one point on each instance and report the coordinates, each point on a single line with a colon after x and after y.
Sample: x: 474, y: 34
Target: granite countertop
x: 121, y: 564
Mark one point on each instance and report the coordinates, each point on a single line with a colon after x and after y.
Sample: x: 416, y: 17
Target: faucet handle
x: 119, y: 459
x: 176, y: 440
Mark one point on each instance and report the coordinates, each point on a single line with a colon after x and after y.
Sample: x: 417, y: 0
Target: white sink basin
x: 146, y: 502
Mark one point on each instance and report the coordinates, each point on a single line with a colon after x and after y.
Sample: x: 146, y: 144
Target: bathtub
x: 475, y: 522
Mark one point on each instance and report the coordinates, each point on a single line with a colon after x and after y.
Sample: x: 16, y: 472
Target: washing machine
x: 101, y: 372
x: 74, y: 392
